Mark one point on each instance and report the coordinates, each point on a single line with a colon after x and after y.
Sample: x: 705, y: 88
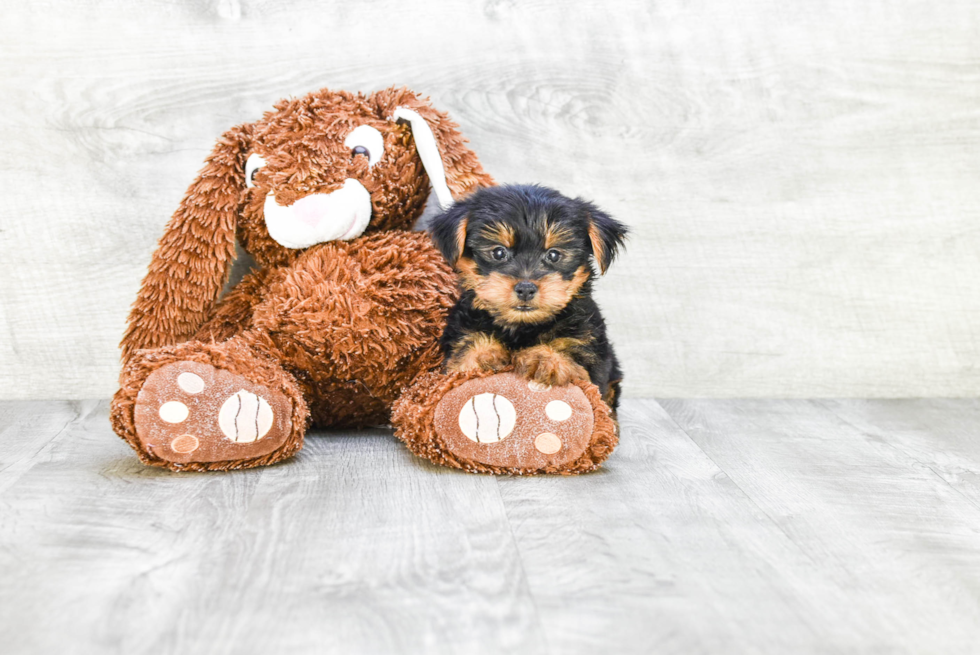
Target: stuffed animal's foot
x: 505, y: 423
x: 207, y: 407
x: 193, y: 412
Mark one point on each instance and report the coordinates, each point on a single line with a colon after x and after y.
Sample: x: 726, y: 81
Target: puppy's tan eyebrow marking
x: 501, y: 233
x: 556, y: 234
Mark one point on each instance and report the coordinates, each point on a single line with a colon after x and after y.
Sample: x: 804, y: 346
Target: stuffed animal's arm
x: 233, y: 314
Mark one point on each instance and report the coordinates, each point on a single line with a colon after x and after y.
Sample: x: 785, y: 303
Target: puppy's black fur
x: 524, y: 255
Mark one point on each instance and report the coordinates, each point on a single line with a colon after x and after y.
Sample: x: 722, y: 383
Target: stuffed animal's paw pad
x: 194, y: 412
x: 487, y: 418
x: 506, y: 421
x: 245, y: 417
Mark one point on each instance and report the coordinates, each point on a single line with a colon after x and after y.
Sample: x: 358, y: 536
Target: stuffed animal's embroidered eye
x: 252, y: 166
x: 366, y: 140
x: 499, y: 253
x: 553, y: 255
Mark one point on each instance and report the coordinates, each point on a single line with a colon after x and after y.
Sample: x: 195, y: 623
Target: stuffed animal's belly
x: 347, y: 404
x: 360, y: 321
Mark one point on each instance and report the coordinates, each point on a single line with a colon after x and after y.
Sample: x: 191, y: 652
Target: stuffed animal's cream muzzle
x: 344, y: 214
x: 341, y: 215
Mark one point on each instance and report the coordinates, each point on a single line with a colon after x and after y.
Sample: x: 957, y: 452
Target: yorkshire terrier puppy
x: 523, y: 258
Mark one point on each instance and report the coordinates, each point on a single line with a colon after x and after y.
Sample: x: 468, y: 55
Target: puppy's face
x: 524, y: 269
x: 525, y: 250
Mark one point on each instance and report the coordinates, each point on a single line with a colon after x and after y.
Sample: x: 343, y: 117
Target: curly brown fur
x: 302, y: 141
x: 523, y: 258
x: 358, y: 321
x: 349, y: 322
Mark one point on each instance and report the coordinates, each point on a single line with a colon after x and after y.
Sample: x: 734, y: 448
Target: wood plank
x: 662, y: 552
x: 801, y: 182
x: 353, y: 546
x: 941, y: 435
x: 717, y: 526
x: 27, y: 425
x: 29, y: 428
x: 895, y: 545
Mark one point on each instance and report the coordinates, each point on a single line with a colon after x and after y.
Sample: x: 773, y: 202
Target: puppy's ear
x: 195, y: 254
x: 606, y: 235
x: 453, y: 169
x: 448, y: 231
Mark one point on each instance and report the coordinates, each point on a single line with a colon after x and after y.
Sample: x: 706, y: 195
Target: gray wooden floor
x: 719, y: 526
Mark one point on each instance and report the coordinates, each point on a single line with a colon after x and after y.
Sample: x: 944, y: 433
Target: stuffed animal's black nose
x: 525, y: 290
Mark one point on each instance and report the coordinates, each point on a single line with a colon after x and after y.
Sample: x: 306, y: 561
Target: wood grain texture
x: 718, y: 526
x: 352, y: 547
x: 894, y: 544
x: 660, y: 551
x: 932, y: 435
x: 801, y: 179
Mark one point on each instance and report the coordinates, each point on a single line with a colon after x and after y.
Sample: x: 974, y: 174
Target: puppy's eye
x: 499, y: 253
x: 366, y: 140
x: 553, y: 256
x: 252, y: 166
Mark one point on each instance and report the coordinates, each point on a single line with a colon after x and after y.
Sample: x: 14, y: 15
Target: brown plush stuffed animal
x: 341, y: 316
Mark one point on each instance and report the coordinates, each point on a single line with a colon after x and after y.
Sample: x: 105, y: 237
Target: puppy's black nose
x: 525, y: 290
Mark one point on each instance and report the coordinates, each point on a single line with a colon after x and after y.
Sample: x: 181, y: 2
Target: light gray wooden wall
x: 803, y: 178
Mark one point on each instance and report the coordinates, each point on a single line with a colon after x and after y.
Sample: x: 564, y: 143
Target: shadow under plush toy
x: 339, y: 323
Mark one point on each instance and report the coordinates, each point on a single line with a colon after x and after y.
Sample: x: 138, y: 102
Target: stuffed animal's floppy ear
x: 449, y: 232
x: 606, y: 235
x: 194, y: 256
x: 452, y: 167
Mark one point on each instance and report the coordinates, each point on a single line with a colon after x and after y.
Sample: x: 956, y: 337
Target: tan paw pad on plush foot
x: 193, y: 412
x: 505, y: 420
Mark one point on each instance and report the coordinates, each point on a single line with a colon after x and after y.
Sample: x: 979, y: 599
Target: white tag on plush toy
x: 428, y: 148
x: 430, y: 210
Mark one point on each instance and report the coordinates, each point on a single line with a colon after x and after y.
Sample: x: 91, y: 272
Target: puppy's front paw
x: 479, y: 352
x: 545, y: 365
